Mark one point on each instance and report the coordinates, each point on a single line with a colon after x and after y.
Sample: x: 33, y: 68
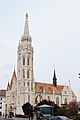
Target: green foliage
x: 62, y: 111
x: 27, y: 108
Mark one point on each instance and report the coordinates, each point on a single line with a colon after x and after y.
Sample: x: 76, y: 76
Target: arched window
x: 28, y: 74
x: 23, y: 73
x: 65, y: 101
x: 48, y: 98
x: 57, y: 101
x: 32, y: 85
x: 28, y: 60
x: 23, y: 60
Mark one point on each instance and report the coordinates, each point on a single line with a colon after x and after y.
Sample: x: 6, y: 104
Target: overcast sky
x: 54, y: 26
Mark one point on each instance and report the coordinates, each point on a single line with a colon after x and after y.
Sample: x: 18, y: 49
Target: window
x: 48, y: 98
x: 65, y: 101
x: 32, y: 85
x: 57, y: 101
x: 28, y: 74
x: 65, y: 92
x: 23, y: 73
x: 1, y: 98
x: 23, y: 61
x: 0, y: 107
x: 28, y: 61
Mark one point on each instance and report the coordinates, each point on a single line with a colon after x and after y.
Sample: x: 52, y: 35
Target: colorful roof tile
x: 48, y: 88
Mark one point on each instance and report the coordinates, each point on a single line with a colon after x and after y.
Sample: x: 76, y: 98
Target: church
x: 22, y: 87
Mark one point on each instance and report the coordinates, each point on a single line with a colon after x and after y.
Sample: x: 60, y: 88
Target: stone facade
x: 23, y: 87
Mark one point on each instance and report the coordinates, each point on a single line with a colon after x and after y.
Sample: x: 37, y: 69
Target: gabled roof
x: 3, y: 93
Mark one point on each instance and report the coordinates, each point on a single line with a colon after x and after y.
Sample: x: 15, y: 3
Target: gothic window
x: 65, y: 101
x: 28, y: 61
x: 23, y: 61
x: 24, y: 83
x: 57, y: 101
x: 28, y: 98
x: 48, y: 98
x: 23, y: 73
x: 32, y: 85
x: 28, y: 74
x: 65, y: 92
x: 13, y: 99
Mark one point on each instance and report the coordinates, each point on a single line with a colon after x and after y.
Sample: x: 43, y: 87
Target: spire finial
x: 26, y: 28
x: 54, y: 79
x: 26, y: 15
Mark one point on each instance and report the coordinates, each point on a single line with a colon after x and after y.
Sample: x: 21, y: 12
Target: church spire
x: 54, y: 79
x: 26, y: 28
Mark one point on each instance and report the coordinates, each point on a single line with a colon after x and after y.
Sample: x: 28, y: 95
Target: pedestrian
x: 6, y: 115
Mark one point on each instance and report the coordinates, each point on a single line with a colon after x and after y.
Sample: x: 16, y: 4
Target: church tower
x: 25, y: 78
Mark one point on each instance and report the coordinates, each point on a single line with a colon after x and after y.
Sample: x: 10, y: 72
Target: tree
x: 27, y: 108
x: 73, y: 108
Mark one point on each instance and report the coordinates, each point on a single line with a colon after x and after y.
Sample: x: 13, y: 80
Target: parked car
x: 58, y: 118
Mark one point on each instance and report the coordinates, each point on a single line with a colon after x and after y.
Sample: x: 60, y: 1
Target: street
x: 14, y: 118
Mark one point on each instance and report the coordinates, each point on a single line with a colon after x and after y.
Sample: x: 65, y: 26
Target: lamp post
x: 52, y: 104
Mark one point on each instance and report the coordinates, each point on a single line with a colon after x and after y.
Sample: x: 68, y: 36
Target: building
x: 23, y: 87
x: 2, y: 101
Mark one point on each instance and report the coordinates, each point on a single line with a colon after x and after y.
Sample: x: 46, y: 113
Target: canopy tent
x: 42, y: 106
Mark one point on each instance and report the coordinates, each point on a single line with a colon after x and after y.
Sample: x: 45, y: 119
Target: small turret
x: 8, y: 87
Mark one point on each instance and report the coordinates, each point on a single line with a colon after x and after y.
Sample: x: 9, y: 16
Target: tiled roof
x: 47, y: 88
x: 43, y: 87
x: 60, y: 88
x: 3, y: 93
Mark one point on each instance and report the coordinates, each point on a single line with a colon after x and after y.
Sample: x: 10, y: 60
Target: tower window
x: 28, y: 74
x: 32, y: 85
x: 23, y: 73
x: 28, y: 61
x: 23, y: 61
